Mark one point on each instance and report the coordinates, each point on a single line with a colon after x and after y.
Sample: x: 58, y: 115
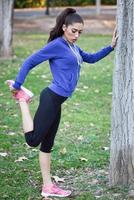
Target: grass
x: 81, y: 151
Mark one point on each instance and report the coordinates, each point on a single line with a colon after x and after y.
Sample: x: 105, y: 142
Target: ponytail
x: 67, y: 17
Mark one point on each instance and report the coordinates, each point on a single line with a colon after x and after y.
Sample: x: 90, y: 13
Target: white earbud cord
x: 78, y: 57
x: 75, y: 52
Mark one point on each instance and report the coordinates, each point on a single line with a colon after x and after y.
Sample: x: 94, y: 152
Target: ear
x: 64, y: 27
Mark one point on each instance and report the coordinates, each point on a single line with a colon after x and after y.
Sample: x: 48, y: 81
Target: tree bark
x: 122, y: 136
x: 6, y: 22
x: 98, y: 7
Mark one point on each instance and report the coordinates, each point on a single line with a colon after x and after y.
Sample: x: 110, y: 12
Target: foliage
x: 81, y: 152
x: 109, y: 2
x: 41, y: 3
x: 29, y: 3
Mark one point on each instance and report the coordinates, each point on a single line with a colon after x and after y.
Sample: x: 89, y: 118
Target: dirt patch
x: 44, y: 25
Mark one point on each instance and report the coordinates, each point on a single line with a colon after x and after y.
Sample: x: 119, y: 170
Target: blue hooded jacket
x: 64, y: 60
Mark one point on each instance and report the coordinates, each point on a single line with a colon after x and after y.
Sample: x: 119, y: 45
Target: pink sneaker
x: 23, y: 93
x: 54, y: 191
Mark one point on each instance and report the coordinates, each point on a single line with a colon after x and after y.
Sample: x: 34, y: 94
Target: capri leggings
x: 46, y: 121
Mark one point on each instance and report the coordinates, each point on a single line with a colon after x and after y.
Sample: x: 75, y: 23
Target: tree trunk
x: 47, y: 7
x: 6, y: 21
x: 98, y: 7
x: 122, y: 137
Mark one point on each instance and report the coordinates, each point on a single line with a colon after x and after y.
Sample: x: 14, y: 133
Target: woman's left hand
x: 114, y: 38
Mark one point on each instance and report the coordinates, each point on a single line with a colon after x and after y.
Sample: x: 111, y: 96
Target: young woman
x: 65, y: 58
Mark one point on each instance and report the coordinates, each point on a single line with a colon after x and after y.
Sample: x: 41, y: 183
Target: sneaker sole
x: 54, y: 195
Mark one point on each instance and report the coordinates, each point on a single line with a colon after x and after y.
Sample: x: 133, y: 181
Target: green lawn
x: 81, y: 151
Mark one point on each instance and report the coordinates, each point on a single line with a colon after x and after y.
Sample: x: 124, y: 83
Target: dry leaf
x: 3, y: 154
x: 83, y: 159
x: 34, y: 150
x: 92, y: 125
x: 80, y: 138
x: 76, y: 104
x: 66, y: 124
x: 20, y: 159
x: 96, y: 91
x: 15, y: 115
x: 105, y: 148
x: 81, y: 90
x: 57, y: 179
x: 63, y: 151
x: 43, y: 76
x: 11, y: 133
x: 85, y: 87
x: 109, y: 93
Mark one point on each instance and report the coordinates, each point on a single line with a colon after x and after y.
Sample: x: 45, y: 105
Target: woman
x: 65, y: 59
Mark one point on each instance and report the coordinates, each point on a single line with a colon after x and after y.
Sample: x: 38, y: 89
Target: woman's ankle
x: 47, y: 183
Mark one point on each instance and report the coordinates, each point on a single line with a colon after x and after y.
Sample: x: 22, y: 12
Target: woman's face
x: 72, y: 32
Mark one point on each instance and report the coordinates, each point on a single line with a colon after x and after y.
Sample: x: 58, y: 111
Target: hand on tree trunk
x: 114, y: 38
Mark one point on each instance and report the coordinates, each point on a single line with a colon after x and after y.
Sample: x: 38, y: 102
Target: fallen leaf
x: 15, y: 115
x: 47, y: 81
x: 76, y: 104
x: 43, y: 76
x: 81, y: 90
x: 94, y: 181
x: 83, y: 159
x: 66, y: 124
x: 97, y: 197
x: 4, y: 126
x: 34, y: 150
x: 11, y: 133
x: 96, y: 91
x: 20, y: 159
x: 63, y: 151
x: 3, y: 154
x: 109, y: 93
x: 58, y: 179
x: 91, y: 124
x: 85, y: 87
x: 105, y: 148
x: 117, y: 195
x: 80, y: 138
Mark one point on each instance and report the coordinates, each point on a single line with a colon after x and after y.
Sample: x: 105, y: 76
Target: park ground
x: 80, y: 157
x: 35, y: 20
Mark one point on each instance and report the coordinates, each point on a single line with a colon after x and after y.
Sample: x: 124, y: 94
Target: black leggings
x: 46, y: 121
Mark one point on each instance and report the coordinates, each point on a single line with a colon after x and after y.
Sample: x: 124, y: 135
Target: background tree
x: 6, y: 21
x: 122, y: 139
x: 98, y: 7
x: 47, y: 12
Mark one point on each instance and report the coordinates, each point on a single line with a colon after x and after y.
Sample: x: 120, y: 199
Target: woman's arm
x: 94, y: 57
x: 46, y: 53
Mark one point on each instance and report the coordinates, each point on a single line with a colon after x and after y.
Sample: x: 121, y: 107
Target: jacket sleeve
x: 94, y: 57
x: 46, y: 53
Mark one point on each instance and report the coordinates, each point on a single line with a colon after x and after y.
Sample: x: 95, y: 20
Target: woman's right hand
x: 12, y: 89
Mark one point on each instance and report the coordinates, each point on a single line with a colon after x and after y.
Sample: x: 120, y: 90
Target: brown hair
x: 67, y: 17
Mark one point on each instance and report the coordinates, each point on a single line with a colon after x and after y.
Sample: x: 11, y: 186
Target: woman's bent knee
x: 30, y: 140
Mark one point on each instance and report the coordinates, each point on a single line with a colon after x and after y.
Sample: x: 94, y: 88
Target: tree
x: 47, y: 12
x: 122, y: 137
x: 6, y: 20
x: 98, y: 7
